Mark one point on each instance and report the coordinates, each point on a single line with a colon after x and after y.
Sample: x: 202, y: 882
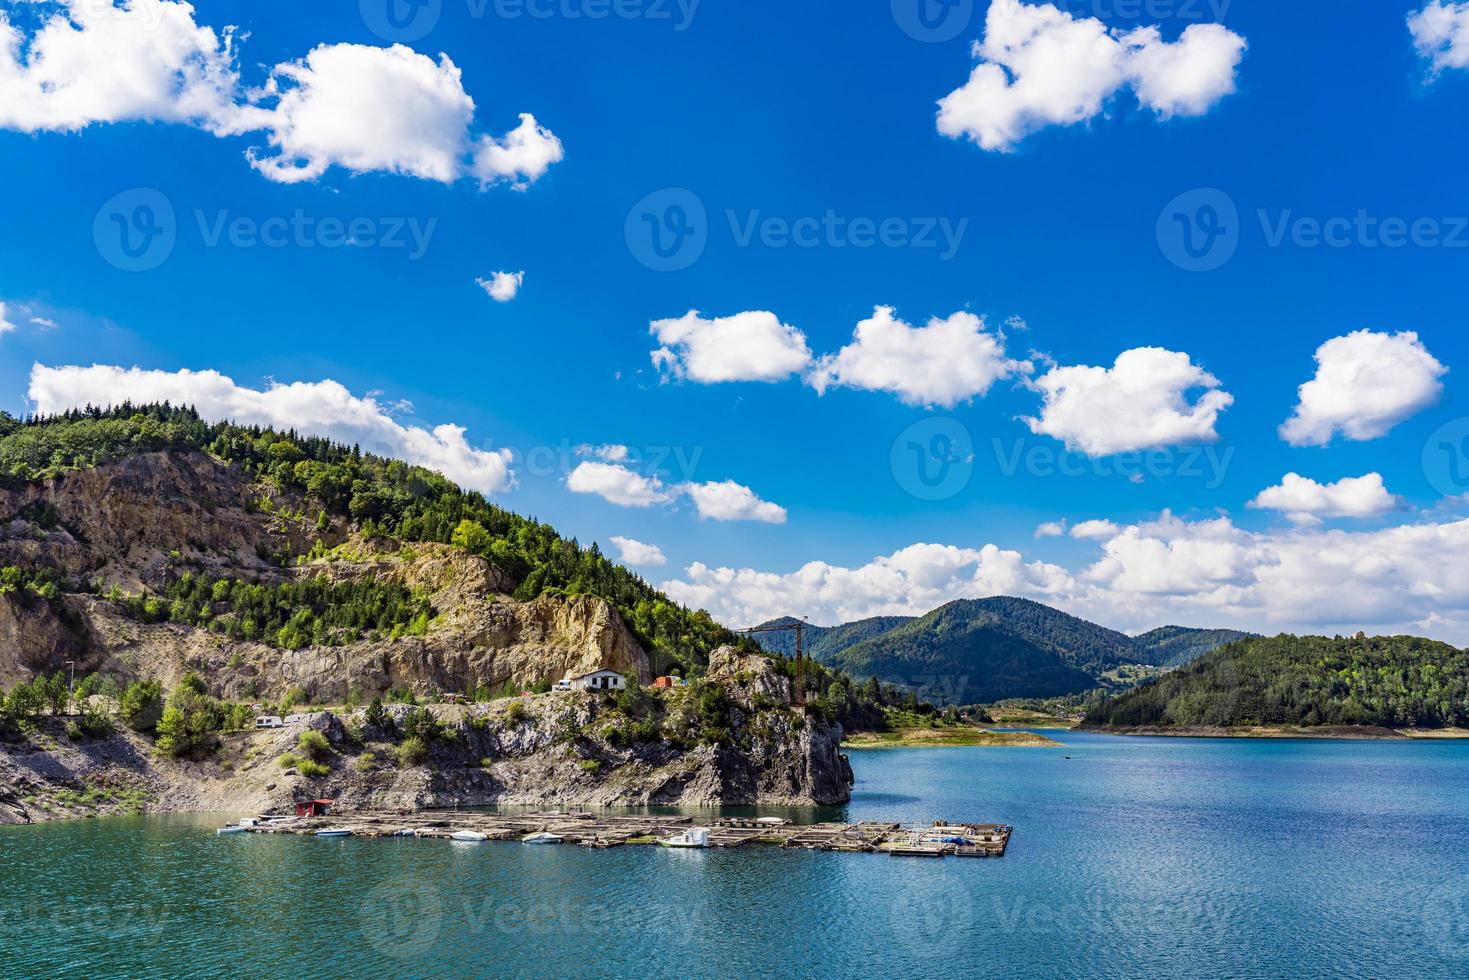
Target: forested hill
x: 982, y: 650
x: 381, y: 497
x: 1174, y: 646
x: 1395, y: 682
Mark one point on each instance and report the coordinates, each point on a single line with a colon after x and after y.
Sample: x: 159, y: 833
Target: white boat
x: 469, y: 836
x: 236, y: 828
x: 333, y: 832
x: 541, y: 838
x: 693, y: 837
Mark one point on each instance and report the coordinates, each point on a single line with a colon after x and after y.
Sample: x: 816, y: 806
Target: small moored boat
x: 469, y: 836
x: 542, y: 838
x: 693, y: 837
x: 334, y: 832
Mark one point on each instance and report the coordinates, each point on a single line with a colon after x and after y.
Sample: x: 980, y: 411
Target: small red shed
x: 314, y: 808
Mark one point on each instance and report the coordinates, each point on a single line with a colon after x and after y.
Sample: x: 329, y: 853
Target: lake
x: 1135, y: 857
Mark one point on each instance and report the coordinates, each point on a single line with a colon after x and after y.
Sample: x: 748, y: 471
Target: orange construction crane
x: 799, y: 701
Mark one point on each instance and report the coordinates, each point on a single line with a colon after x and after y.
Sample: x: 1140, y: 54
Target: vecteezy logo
x: 1446, y: 458
x: 136, y: 230
x: 668, y: 230
x: 1199, y: 231
x: 1446, y: 918
x: 401, y: 21
x: 933, y: 21
x: 933, y: 459
x: 402, y: 919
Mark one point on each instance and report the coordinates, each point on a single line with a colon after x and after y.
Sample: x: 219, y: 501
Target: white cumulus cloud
x: 946, y: 362
x: 617, y: 484
x: 1441, y: 34
x: 1141, y: 402
x: 633, y: 552
x: 729, y: 501
x: 1094, y: 530
x: 6, y: 324
x: 1365, y: 384
x: 1041, y: 66
x: 323, y: 408
x: 502, y: 287
x: 1051, y: 529
x: 358, y: 107
x: 522, y: 156
x: 90, y: 62
x: 1304, y: 501
x: 752, y: 346
x: 620, y: 484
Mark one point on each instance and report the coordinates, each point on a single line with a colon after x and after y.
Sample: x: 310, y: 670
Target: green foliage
x: 312, y: 769
x: 422, y: 725
x: 412, y: 752
x: 29, y: 586
x: 292, y: 615
x: 1396, y: 681
x: 191, y: 719
x: 188, y: 725
x: 711, y: 712
x: 142, y: 705
x: 515, y: 713
x: 313, y: 745
x: 377, y: 715
x: 366, y: 762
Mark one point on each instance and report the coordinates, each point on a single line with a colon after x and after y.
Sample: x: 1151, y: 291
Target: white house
x: 597, y: 680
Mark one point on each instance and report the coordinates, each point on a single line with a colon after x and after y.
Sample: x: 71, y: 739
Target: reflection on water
x: 1136, y: 857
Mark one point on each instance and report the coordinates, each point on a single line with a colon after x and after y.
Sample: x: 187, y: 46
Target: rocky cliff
x: 572, y: 749
x: 136, y: 525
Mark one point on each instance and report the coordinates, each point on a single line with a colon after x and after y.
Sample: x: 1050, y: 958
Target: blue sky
x: 1055, y: 220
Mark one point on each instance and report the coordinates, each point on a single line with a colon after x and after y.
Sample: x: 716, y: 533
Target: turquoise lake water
x: 1133, y: 858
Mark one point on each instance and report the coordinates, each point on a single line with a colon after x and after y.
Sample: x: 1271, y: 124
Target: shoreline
x: 1362, y: 733
x: 947, y: 738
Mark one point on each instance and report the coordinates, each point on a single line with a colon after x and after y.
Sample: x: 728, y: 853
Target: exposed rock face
x: 119, y: 523
x: 127, y: 524
x: 33, y: 638
x: 549, y: 749
x: 137, y: 523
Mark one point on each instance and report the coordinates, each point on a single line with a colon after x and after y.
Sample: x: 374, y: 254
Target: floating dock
x: 593, y: 830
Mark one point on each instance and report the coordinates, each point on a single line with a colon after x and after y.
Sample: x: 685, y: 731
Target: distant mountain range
x: 983, y: 650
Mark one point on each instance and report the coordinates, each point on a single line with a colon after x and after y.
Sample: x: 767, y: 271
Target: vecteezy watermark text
x: 1202, y: 229
x: 939, y: 21
x: 406, y: 21
x: 301, y: 230
x: 669, y: 230
x: 1208, y: 463
x: 138, y: 229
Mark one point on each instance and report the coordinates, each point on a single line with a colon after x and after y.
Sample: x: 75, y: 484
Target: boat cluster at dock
x: 938, y: 839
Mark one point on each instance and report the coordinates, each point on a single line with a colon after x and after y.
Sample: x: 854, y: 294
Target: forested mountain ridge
x: 1046, y: 652
x: 1393, y: 682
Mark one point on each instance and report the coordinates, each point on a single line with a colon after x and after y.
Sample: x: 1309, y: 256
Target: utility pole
x: 799, y: 699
